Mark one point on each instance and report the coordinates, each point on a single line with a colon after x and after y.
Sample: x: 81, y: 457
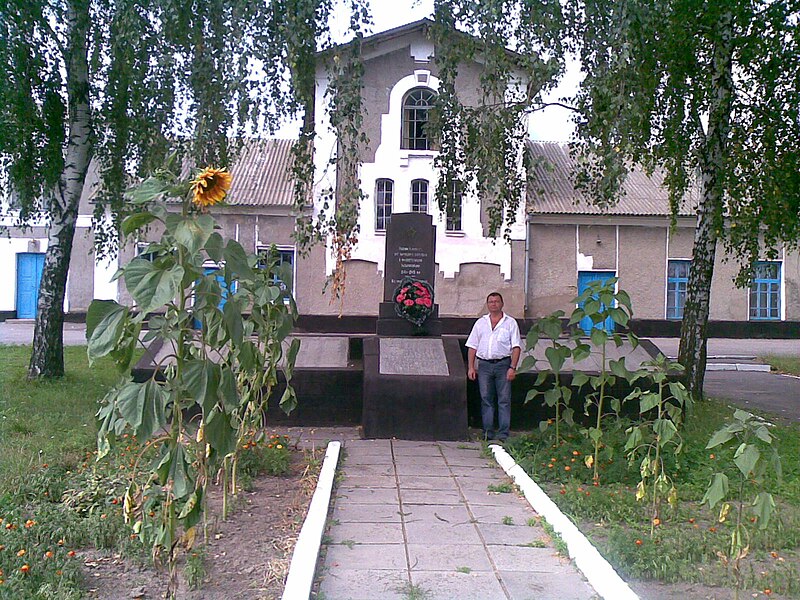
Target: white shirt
x: 494, y: 343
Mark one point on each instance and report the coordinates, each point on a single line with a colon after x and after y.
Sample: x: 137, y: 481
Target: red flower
x: 427, y: 302
x: 408, y: 302
x: 400, y: 297
x: 420, y: 301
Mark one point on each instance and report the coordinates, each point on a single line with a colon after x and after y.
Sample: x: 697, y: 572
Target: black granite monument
x: 414, y: 379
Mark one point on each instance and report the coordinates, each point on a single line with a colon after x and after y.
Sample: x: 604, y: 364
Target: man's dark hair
x: 498, y: 294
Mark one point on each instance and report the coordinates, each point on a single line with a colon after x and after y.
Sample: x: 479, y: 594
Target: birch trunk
x: 692, y: 351
x: 47, y: 359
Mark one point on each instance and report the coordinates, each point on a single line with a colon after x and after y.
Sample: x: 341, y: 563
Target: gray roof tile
x: 551, y: 190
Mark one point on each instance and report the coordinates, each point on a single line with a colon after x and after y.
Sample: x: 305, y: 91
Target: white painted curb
x: 306, y: 550
x: 600, y: 574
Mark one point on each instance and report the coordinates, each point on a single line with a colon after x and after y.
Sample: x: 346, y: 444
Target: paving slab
x: 390, y: 557
x: 448, y: 557
x: 347, y: 512
x: 363, y: 584
x: 366, y: 533
x: 412, y: 517
x: 462, y: 586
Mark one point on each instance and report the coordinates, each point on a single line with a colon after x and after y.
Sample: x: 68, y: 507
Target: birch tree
x: 123, y: 83
x: 708, y: 92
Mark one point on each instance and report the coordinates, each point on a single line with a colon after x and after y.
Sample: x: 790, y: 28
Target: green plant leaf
x: 581, y: 352
x: 556, y: 358
x: 552, y: 396
x: 551, y: 327
x: 150, y: 285
x: 232, y: 315
x: 200, y: 378
x: 236, y: 260
x: 764, y: 508
x: 648, y: 401
x: 291, y: 357
x: 746, y: 458
x: 193, y: 232
x: 665, y: 429
x: 717, y: 490
x: 220, y: 433
x: 105, y: 325
x: 289, y: 400
x: 135, y: 222
x: 762, y: 433
x: 599, y: 337
x: 227, y: 388
x: 528, y: 364
x: 214, y: 247
x: 149, y: 190
x: 722, y: 436
x: 531, y: 339
x: 579, y: 379
x: 619, y: 369
x: 192, y: 509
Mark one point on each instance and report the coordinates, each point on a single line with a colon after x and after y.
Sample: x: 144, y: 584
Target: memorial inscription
x: 410, y: 251
x: 413, y: 356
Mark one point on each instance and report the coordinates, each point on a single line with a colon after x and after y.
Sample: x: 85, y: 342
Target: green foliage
x: 194, y: 571
x: 657, y: 432
x: 754, y: 455
x: 223, y: 373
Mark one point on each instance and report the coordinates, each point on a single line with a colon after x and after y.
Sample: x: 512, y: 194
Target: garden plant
x: 222, y: 317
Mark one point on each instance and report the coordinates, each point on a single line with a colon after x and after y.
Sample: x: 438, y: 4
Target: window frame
x: 416, y: 196
x: 675, y: 312
x: 454, y: 217
x: 283, y: 250
x: 384, y: 199
x: 765, y: 287
x: 420, y: 139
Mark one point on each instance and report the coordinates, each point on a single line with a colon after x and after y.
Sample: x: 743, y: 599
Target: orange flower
x: 712, y: 529
x: 279, y: 447
x: 639, y: 542
x: 59, y: 572
x: 21, y: 552
x: 61, y: 542
x: 767, y: 592
x: 656, y: 521
x: 71, y: 553
x: 691, y: 519
x: 567, y: 468
x: 210, y: 186
x: 25, y: 568
x: 29, y: 523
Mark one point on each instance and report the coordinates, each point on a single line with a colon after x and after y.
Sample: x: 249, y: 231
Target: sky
x: 551, y: 124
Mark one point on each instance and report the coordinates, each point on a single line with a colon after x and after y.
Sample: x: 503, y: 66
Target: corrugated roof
x: 551, y: 190
x: 262, y: 175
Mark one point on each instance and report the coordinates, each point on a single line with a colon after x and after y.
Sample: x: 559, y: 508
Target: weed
x: 410, y: 591
x: 194, y: 571
x: 558, y: 542
x: 501, y: 488
x: 535, y: 544
x: 507, y: 520
x: 349, y: 543
x: 463, y: 569
x: 533, y: 521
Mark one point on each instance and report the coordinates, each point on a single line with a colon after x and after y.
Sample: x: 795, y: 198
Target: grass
x: 687, y: 541
x: 54, y: 499
x: 784, y: 364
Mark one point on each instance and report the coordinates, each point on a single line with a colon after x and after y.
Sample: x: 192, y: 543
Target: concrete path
x: 417, y: 520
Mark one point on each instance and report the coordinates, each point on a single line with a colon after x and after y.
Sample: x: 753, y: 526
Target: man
x: 495, y: 342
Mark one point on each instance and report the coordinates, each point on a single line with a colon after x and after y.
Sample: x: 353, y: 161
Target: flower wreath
x: 413, y: 300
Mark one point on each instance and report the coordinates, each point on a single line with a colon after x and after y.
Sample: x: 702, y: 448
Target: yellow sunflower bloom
x: 211, y: 186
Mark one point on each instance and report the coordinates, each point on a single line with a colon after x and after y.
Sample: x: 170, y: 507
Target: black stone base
x: 418, y: 407
x: 390, y: 325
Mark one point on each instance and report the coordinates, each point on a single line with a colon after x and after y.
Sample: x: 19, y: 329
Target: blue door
x: 221, y: 281
x: 29, y: 275
x: 584, y: 278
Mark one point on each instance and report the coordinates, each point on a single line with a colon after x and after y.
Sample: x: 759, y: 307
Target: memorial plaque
x: 410, y: 251
x: 413, y: 356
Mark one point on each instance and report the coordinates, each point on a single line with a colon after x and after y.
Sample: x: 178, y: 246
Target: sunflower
x: 210, y: 186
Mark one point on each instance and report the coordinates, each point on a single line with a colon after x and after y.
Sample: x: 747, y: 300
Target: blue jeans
x: 495, y: 391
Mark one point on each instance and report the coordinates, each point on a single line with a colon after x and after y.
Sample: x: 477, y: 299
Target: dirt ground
x: 246, y: 557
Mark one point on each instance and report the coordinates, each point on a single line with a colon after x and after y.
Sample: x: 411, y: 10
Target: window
x: 765, y: 291
x: 384, y: 190
x: 142, y: 251
x: 454, y: 208
x: 419, y: 196
x: 416, y: 108
x: 283, y: 257
x: 677, y: 280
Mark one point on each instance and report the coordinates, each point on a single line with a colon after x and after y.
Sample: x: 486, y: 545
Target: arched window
x: 416, y: 108
x: 384, y: 190
x: 419, y: 196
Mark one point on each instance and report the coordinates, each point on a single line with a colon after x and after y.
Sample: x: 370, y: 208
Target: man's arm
x: 472, y: 373
x: 512, y: 370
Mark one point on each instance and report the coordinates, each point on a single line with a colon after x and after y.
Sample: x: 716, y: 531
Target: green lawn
x: 54, y: 498
x: 784, y: 364
x: 48, y: 422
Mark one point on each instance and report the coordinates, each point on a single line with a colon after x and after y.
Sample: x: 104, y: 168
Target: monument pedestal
x: 414, y: 389
x: 389, y: 324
